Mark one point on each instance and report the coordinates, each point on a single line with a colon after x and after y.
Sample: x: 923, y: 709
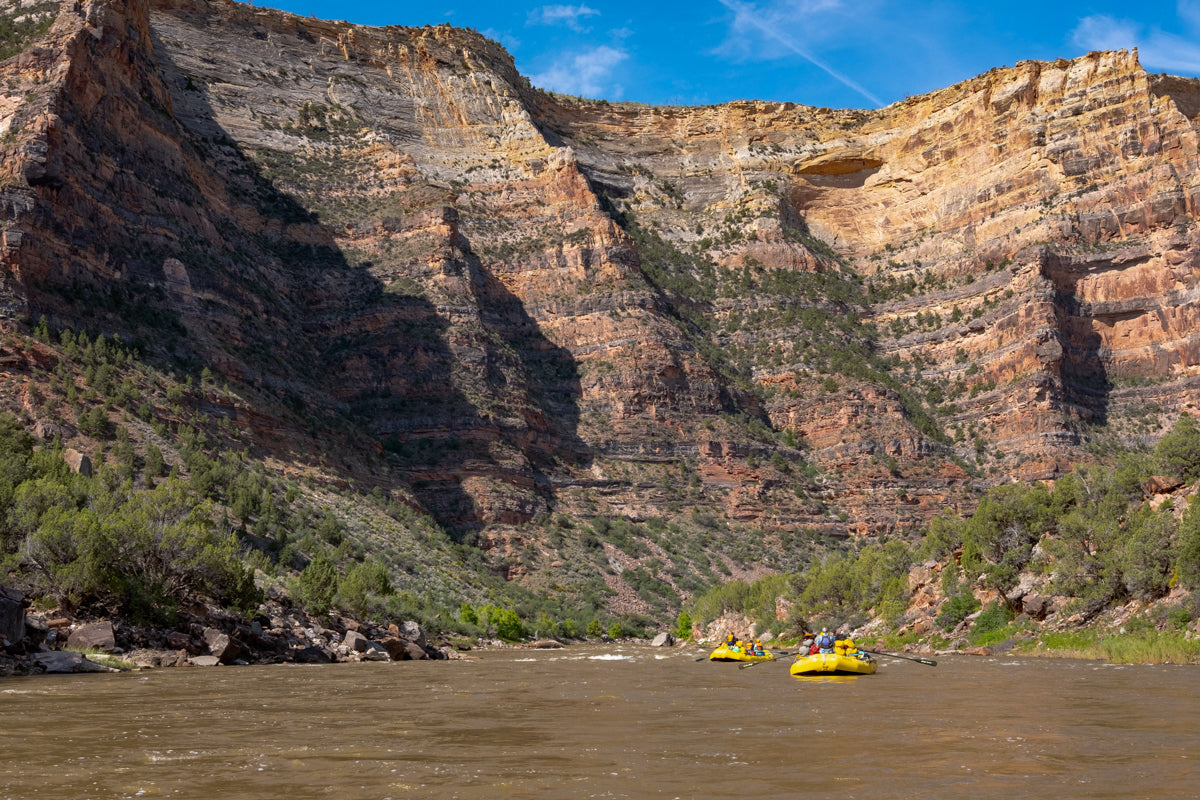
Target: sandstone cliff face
x: 422, y: 273
x: 1038, y: 222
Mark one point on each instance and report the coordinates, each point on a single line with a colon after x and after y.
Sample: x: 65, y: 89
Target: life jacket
x: 825, y: 642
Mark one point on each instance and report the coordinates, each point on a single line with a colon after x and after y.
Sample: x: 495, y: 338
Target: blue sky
x: 836, y: 53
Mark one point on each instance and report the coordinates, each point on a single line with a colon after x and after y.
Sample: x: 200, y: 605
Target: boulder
x: 205, y: 661
x: 311, y: 655
x: 37, y: 628
x: 12, y: 616
x: 78, y: 462
x: 93, y: 636
x: 66, y: 661
x: 1034, y: 605
x: 665, y: 639
x: 1161, y: 484
x: 48, y: 431
x: 403, y: 650
x: 221, y: 645
x: 412, y: 631
x: 177, y: 640
x: 921, y: 575
x: 546, y: 644
x: 376, y: 652
x: 356, y: 642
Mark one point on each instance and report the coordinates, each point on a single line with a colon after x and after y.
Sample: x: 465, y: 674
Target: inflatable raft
x: 831, y: 663
x: 724, y: 653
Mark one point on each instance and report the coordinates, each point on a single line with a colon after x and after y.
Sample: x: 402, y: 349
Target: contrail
x: 749, y: 13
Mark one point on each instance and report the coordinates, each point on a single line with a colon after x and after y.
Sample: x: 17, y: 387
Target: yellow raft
x: 831, y: 663
x: 725, y: 653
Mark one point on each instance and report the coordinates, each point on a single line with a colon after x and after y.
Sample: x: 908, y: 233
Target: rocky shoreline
x: 34, y: 642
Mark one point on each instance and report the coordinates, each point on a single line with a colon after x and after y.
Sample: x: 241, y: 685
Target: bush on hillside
x: 318, y: 585
x: 1178, y: 453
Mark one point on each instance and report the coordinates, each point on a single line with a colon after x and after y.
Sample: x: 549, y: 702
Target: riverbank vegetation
x: 1104, y: 563
x: 177, y: 511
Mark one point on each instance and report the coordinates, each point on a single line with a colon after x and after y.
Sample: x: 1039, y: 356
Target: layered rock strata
x: 442, y: 279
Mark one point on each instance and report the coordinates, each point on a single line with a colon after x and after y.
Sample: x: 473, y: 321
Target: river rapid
x: 606, y: 722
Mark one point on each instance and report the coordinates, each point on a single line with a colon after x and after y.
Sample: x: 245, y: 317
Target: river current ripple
x: 620, y: 721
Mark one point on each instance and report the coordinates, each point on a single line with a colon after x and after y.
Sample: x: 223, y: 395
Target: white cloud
x: 777, y: 30
x: 585, y: 74
x: 1157, y: 49
x: 510, y: 42
x: 561, y: 15
x: 1189, y: 12
x: 1102, y: 32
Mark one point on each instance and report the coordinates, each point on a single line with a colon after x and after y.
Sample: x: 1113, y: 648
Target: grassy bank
x: 1131, y: 648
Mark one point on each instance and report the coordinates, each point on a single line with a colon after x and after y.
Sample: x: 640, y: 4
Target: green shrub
x: 683, y: 625
x: 1143, y: 555
x: 1188, y: 561
x: 1178, y: 618
x: 998, y: 538
x: 363, y: 584
x: 16, y: 451
x: 319, y: 585
x: 145, y: 552
x: 957, y: 608
x: 994, y: 617
x: 506, y: 622
x: 1178, y: 453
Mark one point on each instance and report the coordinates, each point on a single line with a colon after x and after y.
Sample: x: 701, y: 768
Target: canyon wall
x: 421, y: 273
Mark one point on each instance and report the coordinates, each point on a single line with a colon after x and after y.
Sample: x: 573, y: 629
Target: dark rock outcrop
x: 66, y: 661
x: 12, y: 616
x: 94, y: 636
x: 222, y: 645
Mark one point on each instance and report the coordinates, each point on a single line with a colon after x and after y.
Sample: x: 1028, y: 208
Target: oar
x: 929, y: 662
x: 756, y: 663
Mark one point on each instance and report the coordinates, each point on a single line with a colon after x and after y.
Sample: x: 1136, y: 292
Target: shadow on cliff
x: 514, y: 420
x: 350, y: 356
x: 1086, y: 385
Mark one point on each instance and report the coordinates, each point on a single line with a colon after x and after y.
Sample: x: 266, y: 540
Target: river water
x: 618, y: 721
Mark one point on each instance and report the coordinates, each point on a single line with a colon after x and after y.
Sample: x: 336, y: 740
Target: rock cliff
x: 412, y: 270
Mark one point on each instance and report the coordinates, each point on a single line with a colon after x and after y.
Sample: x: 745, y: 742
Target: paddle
x: 756, y: 663
x: 929, y: 662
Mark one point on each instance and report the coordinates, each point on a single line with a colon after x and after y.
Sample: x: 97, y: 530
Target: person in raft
x: 730, y: 642
x: 847, y: 647
x: 825, y: 641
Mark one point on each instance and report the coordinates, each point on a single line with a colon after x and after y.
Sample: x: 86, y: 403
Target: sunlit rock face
x: 420, y: 269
